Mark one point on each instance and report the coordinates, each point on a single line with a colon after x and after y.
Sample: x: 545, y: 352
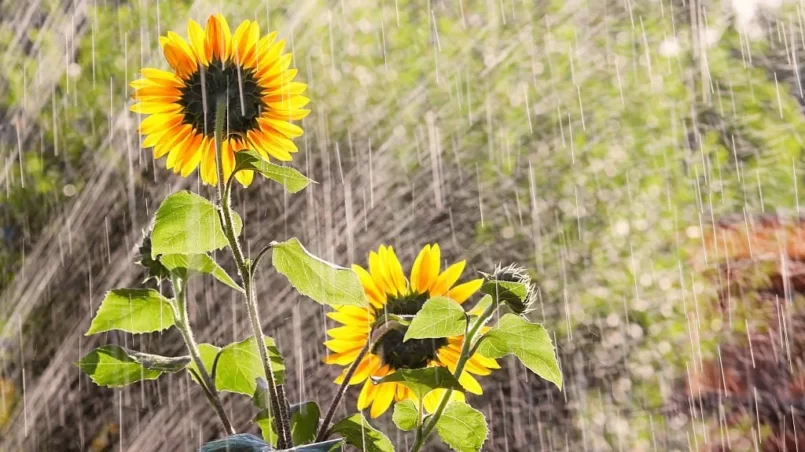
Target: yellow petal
x: 159, y: 122
x: 446, y: 280
x: 283, y: 127
x: 162, y: 77
x: 383, y: 398
x: 344, y: 345
x: 367, y: 395
x: 377, y: 270
x: 152, y: 108
x: 342, y: 359
x: 196, y: 36
x: 192, y: 155
x: 219, y: 38
x: 373, y: 293
x: 433, y: 398
x: 395, y: 271
x: 462, y: 292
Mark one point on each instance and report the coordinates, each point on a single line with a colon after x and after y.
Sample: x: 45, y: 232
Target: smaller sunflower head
x: 517, y: 274
x: 391, y: 291
x: 248, y: 72
x: 154, y: 267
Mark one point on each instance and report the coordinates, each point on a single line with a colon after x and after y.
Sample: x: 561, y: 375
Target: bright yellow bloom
x: 249, y: 73
x: 389, y: 291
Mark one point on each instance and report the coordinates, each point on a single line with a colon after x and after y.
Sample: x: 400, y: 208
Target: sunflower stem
x: 276, y: 393
x: 379, y: 333
x: 467, y: 350
x: 204, y: 378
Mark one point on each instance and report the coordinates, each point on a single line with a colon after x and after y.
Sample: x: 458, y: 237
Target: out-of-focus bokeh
x: 642, y: 157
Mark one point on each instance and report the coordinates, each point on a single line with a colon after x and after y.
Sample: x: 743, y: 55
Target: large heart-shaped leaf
x: 462, y: 427
x: 439, y: 317
x: 133, y: 311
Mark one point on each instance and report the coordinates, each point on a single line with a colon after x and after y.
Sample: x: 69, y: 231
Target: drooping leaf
x: 333, y: 445
x: 304, y: 422
x: 405, y: 415
x: 266, y: 424
x: 462, y: 427
x: 112, y: 366
x: 239, y: 366
x: 158, y: 362
x: 528, y: 341
x: 439, y: 317
x: 423, y: 381
x: 357, y: 432
x: 133, y: 311
x: 242, y: 442
x: 320, y: 280
x: 208, y: 353
x: 188, y: 264
x: 291, y: 179
x: 186, y: 223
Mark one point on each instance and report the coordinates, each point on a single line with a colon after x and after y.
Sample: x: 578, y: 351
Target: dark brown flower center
x: 227, y: 83
x: 414, y: 353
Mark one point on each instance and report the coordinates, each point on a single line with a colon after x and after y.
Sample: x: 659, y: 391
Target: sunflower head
x: 247, y: 72
x: 390, y: 291
x: 517, y: 274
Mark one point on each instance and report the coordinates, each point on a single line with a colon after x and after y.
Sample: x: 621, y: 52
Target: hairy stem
x: 277, y: 398
x: 205, y: 380
x: 378, y: 334
x: 467, y: 349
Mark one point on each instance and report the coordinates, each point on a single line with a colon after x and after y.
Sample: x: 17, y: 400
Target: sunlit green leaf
x: 112, y: 366
x: 185, y: 265
x: 186, y: 223
x: 528, y: 341
x: 291, y: 179
x: 405, y: 415
x: 357, y: 432
x: 242, y: 442
x: 511, y: 293
x: 304, y: 422
x: 439, y: 317
x: 208, y: 353
x: 266, y: 424
x: 132, y: 311
x: 462, y: 427
x: 320, y: 280
x: 239, y: 366
x: 423, y: 381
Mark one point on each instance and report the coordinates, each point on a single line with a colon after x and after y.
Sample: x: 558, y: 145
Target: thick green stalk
x: 205, y: 379
x: 278, y: 405
x: 466, y: 352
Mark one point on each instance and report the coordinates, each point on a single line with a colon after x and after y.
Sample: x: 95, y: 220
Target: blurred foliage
x: 604, y: 139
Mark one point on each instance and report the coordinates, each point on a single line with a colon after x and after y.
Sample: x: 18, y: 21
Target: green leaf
x: 320, y: 280
x: 332, y: 445
x: 304, y: 422
x: 186, y: 223
x: 239, y: 366
x: 242, y: 442
x: 357, y: 432
x: 439, y: 317
x: 185, y: 265
x: 405, y: 415
x: 133, y: 311
x: 208, y: 353
x: 528, y: 341
x: 291, y: 179
x: 423, y: 381
x: 509, y: 292
x: 266, y: 424
x: 261, y: 399
x: 112, y: 366
x: 481, y: 306
x: 462, y: 427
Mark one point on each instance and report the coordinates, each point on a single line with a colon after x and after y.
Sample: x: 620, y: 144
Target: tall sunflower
x: 249, y: 73
x: 390, y: 292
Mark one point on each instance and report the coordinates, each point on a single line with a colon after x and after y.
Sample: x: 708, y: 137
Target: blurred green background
x: 642, y: 158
